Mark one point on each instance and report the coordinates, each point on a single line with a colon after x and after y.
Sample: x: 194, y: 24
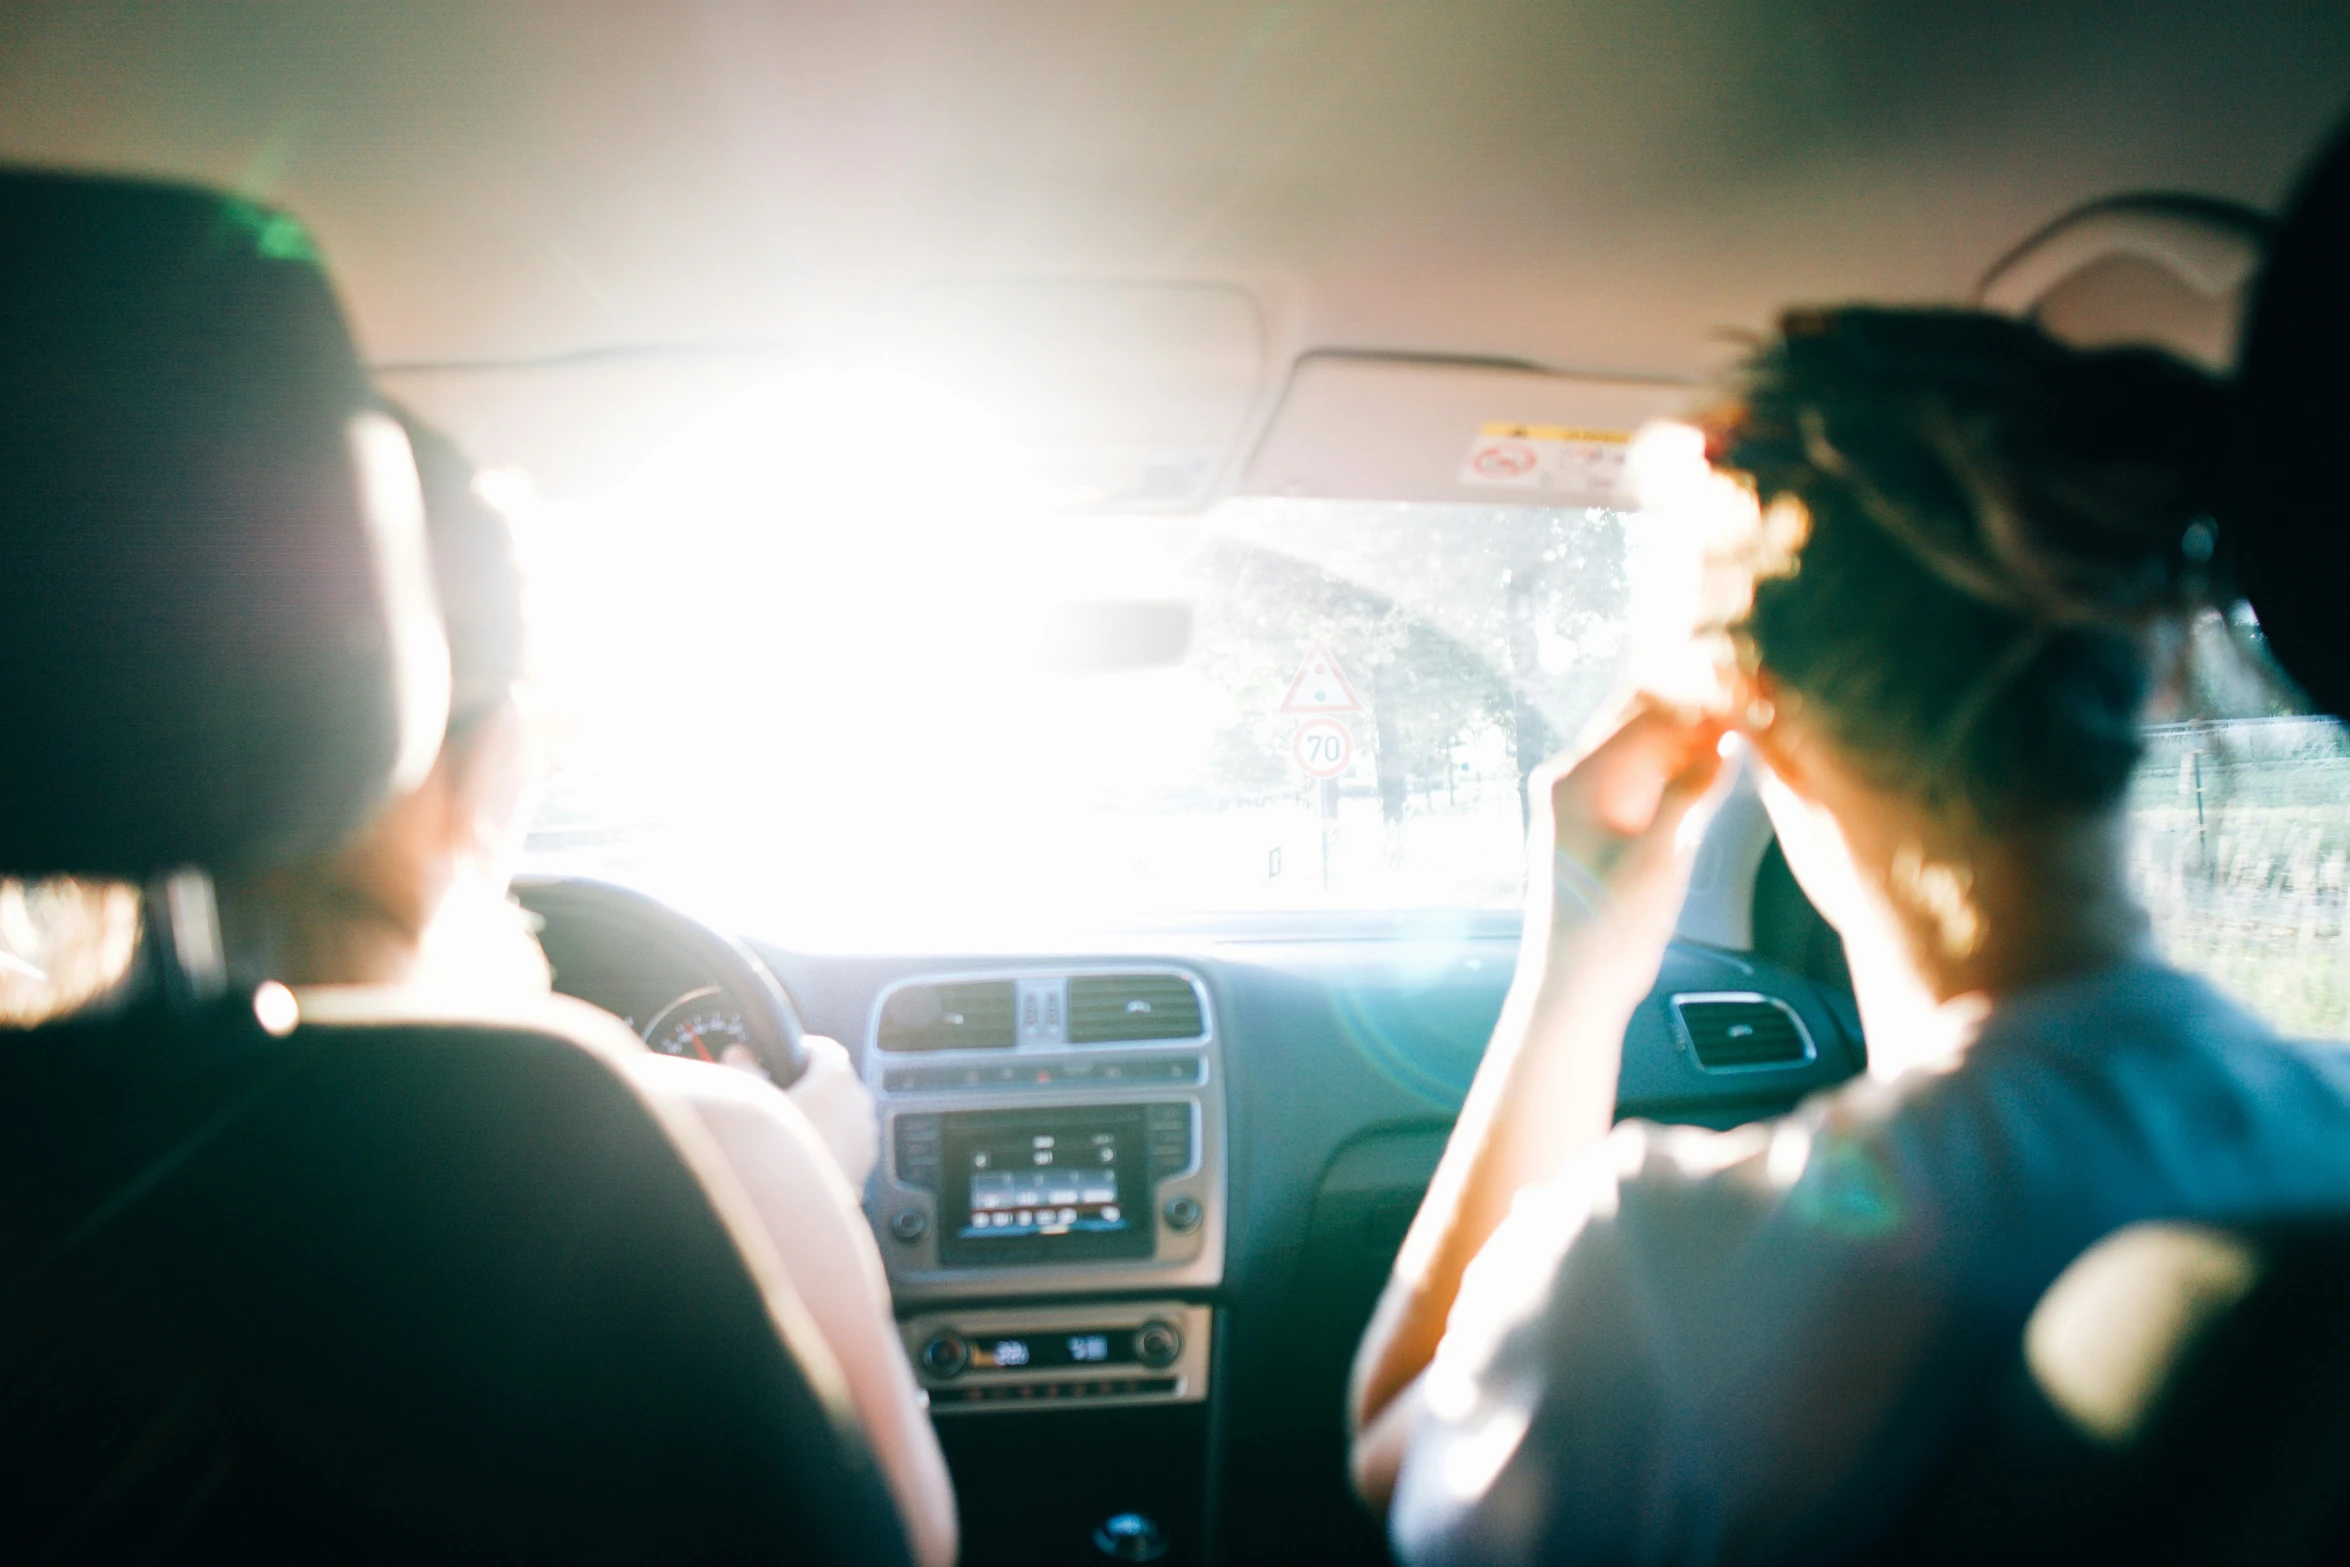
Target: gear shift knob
x: 1130, y: 1537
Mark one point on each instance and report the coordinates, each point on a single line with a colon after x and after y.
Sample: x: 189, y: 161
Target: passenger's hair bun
x: 2058, y: 484
x: 1993, y: 523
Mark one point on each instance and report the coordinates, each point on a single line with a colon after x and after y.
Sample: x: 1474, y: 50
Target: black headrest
x: 217, y: 645
x: 2292, y: 541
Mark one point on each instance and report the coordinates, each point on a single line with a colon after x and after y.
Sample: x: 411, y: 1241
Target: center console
x: 1051, y: 1210
x: 1048, y: 1135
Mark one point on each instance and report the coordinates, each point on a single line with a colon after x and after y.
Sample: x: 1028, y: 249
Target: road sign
x: 1319, y: 687
x: 1323, y: 747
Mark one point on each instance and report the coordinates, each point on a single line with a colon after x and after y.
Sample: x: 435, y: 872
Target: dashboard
x: 704, y: 1024
x: 1137, y: 1197
x: 1328, y: 1059
x: 668, y: 999
x: 685, y: 989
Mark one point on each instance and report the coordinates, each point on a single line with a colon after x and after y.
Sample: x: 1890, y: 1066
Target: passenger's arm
x: 1610, y: 864
x: 829, y: 1253
x: 1376, y: 1458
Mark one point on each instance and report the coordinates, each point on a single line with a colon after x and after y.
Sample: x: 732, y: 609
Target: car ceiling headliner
x: 1597, y: 185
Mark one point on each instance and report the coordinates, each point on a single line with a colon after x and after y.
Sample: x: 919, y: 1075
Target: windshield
x: 840, y: 731
x: 844, y: 725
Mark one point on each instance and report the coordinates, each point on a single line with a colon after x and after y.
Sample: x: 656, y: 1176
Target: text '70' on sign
x: 1323, y: 747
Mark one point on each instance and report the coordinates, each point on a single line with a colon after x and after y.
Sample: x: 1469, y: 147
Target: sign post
x: 1323, y: 747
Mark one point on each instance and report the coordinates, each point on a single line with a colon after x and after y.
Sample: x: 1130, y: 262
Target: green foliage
x: 1450, y: 622
x: 2243, y: 857
x: 1262, y: 614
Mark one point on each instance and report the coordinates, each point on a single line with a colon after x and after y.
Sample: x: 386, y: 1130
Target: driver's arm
x: 812, y: 1215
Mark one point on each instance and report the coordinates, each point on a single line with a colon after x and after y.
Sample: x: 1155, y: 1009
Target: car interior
x: 1058, y: 534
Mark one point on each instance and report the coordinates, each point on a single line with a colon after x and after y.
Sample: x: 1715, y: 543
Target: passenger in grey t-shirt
x: 1968, y: 554
x: 1697, y: 1346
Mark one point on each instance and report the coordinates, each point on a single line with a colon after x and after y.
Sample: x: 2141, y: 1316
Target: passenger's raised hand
x: 1620, y: 834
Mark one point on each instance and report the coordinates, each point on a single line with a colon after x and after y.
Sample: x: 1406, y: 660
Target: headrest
x: 2156, y: 268
x: 217, y: 640
x: 2292, y: 538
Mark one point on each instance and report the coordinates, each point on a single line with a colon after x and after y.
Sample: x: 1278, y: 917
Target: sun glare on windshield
x: 803, y: 662
x: 828, y: 689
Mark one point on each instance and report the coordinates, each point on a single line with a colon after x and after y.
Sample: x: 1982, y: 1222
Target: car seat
x: 319, y: 1279
x: 2179, y: 1398
x: 2289, y: 532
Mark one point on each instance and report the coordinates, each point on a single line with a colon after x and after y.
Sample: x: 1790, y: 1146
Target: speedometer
x: 704, y: 1025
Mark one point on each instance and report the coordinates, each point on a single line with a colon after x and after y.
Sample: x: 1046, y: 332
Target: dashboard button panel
x: 918, y: 1148
x: 1022, y: 1357
x: 1168, y: 1126
x: 1041, y: 1074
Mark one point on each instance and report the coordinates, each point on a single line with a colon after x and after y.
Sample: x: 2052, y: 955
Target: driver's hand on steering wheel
x: 832, y: 1096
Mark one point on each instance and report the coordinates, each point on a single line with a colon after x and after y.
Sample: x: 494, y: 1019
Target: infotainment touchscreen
x: 1045, y: 1186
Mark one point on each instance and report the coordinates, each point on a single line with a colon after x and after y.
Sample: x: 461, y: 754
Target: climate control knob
x: 946, y: 1354
x: 1158, y: 1345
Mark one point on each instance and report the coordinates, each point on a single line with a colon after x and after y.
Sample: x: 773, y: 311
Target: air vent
x: 1741, y: 1032
x: 1108, y: 1009
x: 974, y: 1015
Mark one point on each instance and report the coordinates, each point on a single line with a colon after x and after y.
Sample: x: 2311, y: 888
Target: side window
x: 2243, y: 857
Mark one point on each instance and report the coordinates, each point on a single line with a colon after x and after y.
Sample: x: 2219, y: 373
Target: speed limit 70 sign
x: 1323, y: 747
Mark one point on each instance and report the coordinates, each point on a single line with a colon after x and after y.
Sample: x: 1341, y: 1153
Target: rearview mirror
x: 1105, y: 636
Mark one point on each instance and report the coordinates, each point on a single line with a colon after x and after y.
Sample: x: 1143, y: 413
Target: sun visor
x: 218, y: 646
x: 1052, y: 396
x: 1392, y: 428
x: 2170, y: 271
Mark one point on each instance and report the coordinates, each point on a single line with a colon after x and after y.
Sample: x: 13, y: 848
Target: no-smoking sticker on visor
x: 1561, y: 463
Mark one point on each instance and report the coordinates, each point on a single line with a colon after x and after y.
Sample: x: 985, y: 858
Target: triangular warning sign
x: 1319, y: 687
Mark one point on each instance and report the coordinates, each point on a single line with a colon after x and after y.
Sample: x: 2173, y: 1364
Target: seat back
x: 217, y: 641
x: 382, y: 1290
x: 2181, y: 1396
x: 2288, y: 527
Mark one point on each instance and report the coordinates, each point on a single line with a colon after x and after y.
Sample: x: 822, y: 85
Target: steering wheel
x: 621, y: 919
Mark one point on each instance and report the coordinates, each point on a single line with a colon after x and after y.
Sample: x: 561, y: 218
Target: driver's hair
x: 66, y: 943
x: 2002, y: 540
x: 356, y: 914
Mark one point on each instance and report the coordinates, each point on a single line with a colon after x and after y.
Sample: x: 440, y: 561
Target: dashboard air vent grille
x: 972, y: 1015
x: 1108, y: 1009
x: 1731, y: 1033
